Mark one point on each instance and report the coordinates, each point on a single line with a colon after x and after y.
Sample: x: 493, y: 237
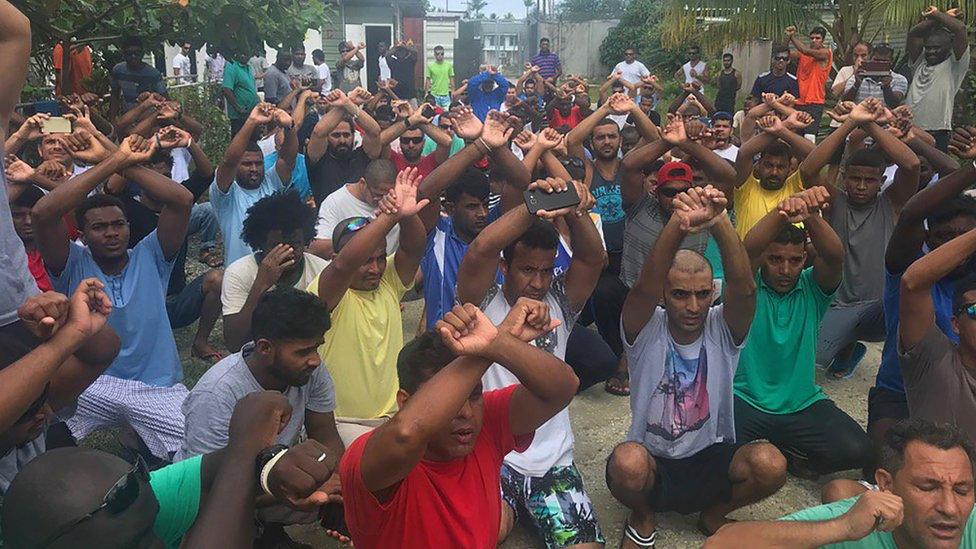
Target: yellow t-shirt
x: 361, y: 348
x: 752, y: 201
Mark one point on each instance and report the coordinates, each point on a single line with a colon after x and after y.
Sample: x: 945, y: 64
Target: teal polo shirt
x: 239, y: 80
x: 777, y: 366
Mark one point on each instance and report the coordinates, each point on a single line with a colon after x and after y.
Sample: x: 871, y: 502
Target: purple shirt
x: 548, y: 64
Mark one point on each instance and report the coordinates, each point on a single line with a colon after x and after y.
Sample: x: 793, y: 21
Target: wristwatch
x: 265, y: 458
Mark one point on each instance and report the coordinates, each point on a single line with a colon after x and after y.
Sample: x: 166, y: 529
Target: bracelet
x: 266, y: 470
x: 189, y: 142
x: 484, y: 144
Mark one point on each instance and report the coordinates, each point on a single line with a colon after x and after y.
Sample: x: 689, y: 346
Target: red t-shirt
x: 439, y: 505
x: 425, y: 166
x: 556, y: 118
x: 36, y: 266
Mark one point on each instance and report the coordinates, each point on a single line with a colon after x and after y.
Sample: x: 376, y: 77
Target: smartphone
x: 56, y: 124
x: 537, y: 199
x: 876, y: 69
x: 427, y: 111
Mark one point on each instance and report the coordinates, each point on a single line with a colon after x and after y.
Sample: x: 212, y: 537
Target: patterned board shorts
x: 557, y: 504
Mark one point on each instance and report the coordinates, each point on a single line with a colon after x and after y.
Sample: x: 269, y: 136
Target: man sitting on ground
x: 142, y: 386
x: 279, y: 228
x: 924, y: 499
x: 681, y: 452
x: 288, y: 327
x: 776, y: 397
x: 362, y: 288
x: 439, y: 457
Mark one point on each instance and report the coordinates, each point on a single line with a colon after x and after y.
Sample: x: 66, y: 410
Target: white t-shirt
x: 342, y: 205
x: 699, y: 68
x: 843, y: 75
x: 552, y: 445
x: 182, y: 62
x: 729, y: 153
x: 181, y: 164
x: 325, y: 75
x: 239, y: 277
x: 384, y: 68
x: 932, y: 92
x: 631, y: 72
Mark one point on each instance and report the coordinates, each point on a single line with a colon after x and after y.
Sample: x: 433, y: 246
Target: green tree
x: 475, y: 7
x: 528, y: 5
x: 717, y: 23
x: 231, y: 25
x: 639, y: 28
x: 585, y: 10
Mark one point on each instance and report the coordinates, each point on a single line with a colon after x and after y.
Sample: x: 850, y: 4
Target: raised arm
x: 15, y: 46
x: 262, y: 113
x: 828, y: 266
x: 916, y: 37
x: 960, y: 37
x: 739, y: 291
x: 942, y: 163
x: 906, y: 177
x: 915, y: 305
x: 811, y: 166
x: 589, y: 257
x: 288, y: 152
x: 576, y: 136
x: 336, y: 278
x: 823, y: 54
x: 632, y: 166
x: 404, y: 202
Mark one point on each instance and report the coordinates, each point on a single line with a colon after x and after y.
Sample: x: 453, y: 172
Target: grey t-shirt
x: 865, y: 231
x: 938, y: 385
x: 645, y: 221
x: 276, y: 84
x: 681, y: 395
x: 305, y: 71
x: 16, y: 282
x: 210, y: 404
x: 933, y: 90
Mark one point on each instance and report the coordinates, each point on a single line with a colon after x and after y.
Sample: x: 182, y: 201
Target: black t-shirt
x: 329, y: 173
x: 143, y: 220
x: 402, y: 70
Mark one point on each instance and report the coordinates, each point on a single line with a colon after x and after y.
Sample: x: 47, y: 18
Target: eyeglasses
x: 414, y: 140
x: 969, y: 309
x: 119, y: 497
x: 781, y: 58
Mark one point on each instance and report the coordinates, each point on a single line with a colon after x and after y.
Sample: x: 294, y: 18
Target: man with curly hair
x: 278, y: 227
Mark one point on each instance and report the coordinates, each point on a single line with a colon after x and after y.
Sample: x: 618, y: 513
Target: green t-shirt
x: 874, y: 540
x: 429, y: 145
x: 238, y: 79
x: 440, y: 75
x: 776, y: 368
x: 177, y: 489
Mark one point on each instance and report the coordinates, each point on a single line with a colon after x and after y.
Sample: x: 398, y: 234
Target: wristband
x: 266, y: 461
x: 485, y: 144
x: 478, y: 143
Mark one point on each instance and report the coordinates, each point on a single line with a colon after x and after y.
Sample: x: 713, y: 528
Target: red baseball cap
x: 674, y: 171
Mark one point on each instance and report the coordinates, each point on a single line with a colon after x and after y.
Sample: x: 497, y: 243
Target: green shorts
x: 557, y: 504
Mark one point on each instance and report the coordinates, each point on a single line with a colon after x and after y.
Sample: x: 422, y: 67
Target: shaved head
x: 691, y: 262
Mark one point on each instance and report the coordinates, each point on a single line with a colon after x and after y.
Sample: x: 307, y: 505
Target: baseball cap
x: 345, y: 228
x: 722, y: 115
x: 672, y: 171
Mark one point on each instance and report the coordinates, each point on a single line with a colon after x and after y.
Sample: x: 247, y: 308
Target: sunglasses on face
x: 414, y: 140
x: 119, y: 497
x: 782, y: 58
x: 969, y: 309
x: 670, y: 192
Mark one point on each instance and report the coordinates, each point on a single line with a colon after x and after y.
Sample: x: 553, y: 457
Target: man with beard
x: 278, y: 227
x: 332, y: 158
x: 288, y: 327
x: 864, y: 217
x: 938, y: 48
x: 681, y: 453
x: 924, y: 501
x: 761, y: 185
x: 776, y: 395
x: 142, y: 386
x: 413, y: 128
x: 241, y: 179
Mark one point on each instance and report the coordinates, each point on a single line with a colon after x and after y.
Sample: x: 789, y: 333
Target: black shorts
x: 886, y: 404
x: 184, y: 307
x: 694, y: 483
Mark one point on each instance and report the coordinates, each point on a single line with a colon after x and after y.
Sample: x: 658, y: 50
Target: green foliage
x: 585, y: 10
x: 640, y: 28
x: 475, y: 7
x: 200, y: 103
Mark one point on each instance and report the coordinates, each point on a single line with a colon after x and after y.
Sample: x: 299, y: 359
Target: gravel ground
x: 600, y: 422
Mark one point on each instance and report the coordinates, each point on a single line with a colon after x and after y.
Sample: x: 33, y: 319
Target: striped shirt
x: 548, y: 64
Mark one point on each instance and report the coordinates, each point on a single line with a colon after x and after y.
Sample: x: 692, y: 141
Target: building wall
x: 752, y: 59
x: 578, y: 44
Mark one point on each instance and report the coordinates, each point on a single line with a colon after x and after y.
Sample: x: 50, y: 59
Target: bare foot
x: 709, y: 524
x: 203, y: 350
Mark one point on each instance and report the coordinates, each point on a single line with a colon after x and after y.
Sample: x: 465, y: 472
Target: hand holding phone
x: 56, y: 125
x: 550, y: 195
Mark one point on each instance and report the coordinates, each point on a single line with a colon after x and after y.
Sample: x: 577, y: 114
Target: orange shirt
x: 812, y: 77
x: 81, y: 66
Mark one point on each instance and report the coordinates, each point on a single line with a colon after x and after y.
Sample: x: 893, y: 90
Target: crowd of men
x: 719, y: 256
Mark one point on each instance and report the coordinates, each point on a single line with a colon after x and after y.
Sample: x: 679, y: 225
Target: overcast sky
x: 501, y: 7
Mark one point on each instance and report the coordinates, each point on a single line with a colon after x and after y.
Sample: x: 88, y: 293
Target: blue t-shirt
x: 440, y: 264
x: 138, y: 295
x: 889, y: 373
x: 231, y: 208
x: 768, y: 82
x: 482, y: 102
x: 131, y: 83
x: 299, y: 175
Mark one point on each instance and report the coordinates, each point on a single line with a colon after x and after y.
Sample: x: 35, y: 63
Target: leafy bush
x: 640, y: 28
x: 200, y: 102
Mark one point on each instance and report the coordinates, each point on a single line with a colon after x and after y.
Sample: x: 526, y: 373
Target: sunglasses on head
x: 414, y: 140
x: 969, y: 309
x: 119, y: 497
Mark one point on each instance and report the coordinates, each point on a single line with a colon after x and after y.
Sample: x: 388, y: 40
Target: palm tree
x: 528, y: 5
x: 475, y: 7
x: 717, y: 23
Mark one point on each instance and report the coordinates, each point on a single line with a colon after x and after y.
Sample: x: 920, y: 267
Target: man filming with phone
x: 874, y: 78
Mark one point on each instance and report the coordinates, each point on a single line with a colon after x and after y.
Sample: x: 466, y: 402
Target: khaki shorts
x: 351, y: 428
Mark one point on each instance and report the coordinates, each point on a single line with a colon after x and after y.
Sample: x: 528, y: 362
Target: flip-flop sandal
x: 845, y: 369
x: 704, y: 529
x: 212, y: 358
x: 211, y: 258
x: 615, y: 385
x: 637, y: 539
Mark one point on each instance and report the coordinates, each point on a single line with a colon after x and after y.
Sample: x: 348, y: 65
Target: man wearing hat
x: 362, y: 288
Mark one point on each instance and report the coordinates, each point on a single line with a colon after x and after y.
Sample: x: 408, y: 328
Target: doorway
x: 374, y: 35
